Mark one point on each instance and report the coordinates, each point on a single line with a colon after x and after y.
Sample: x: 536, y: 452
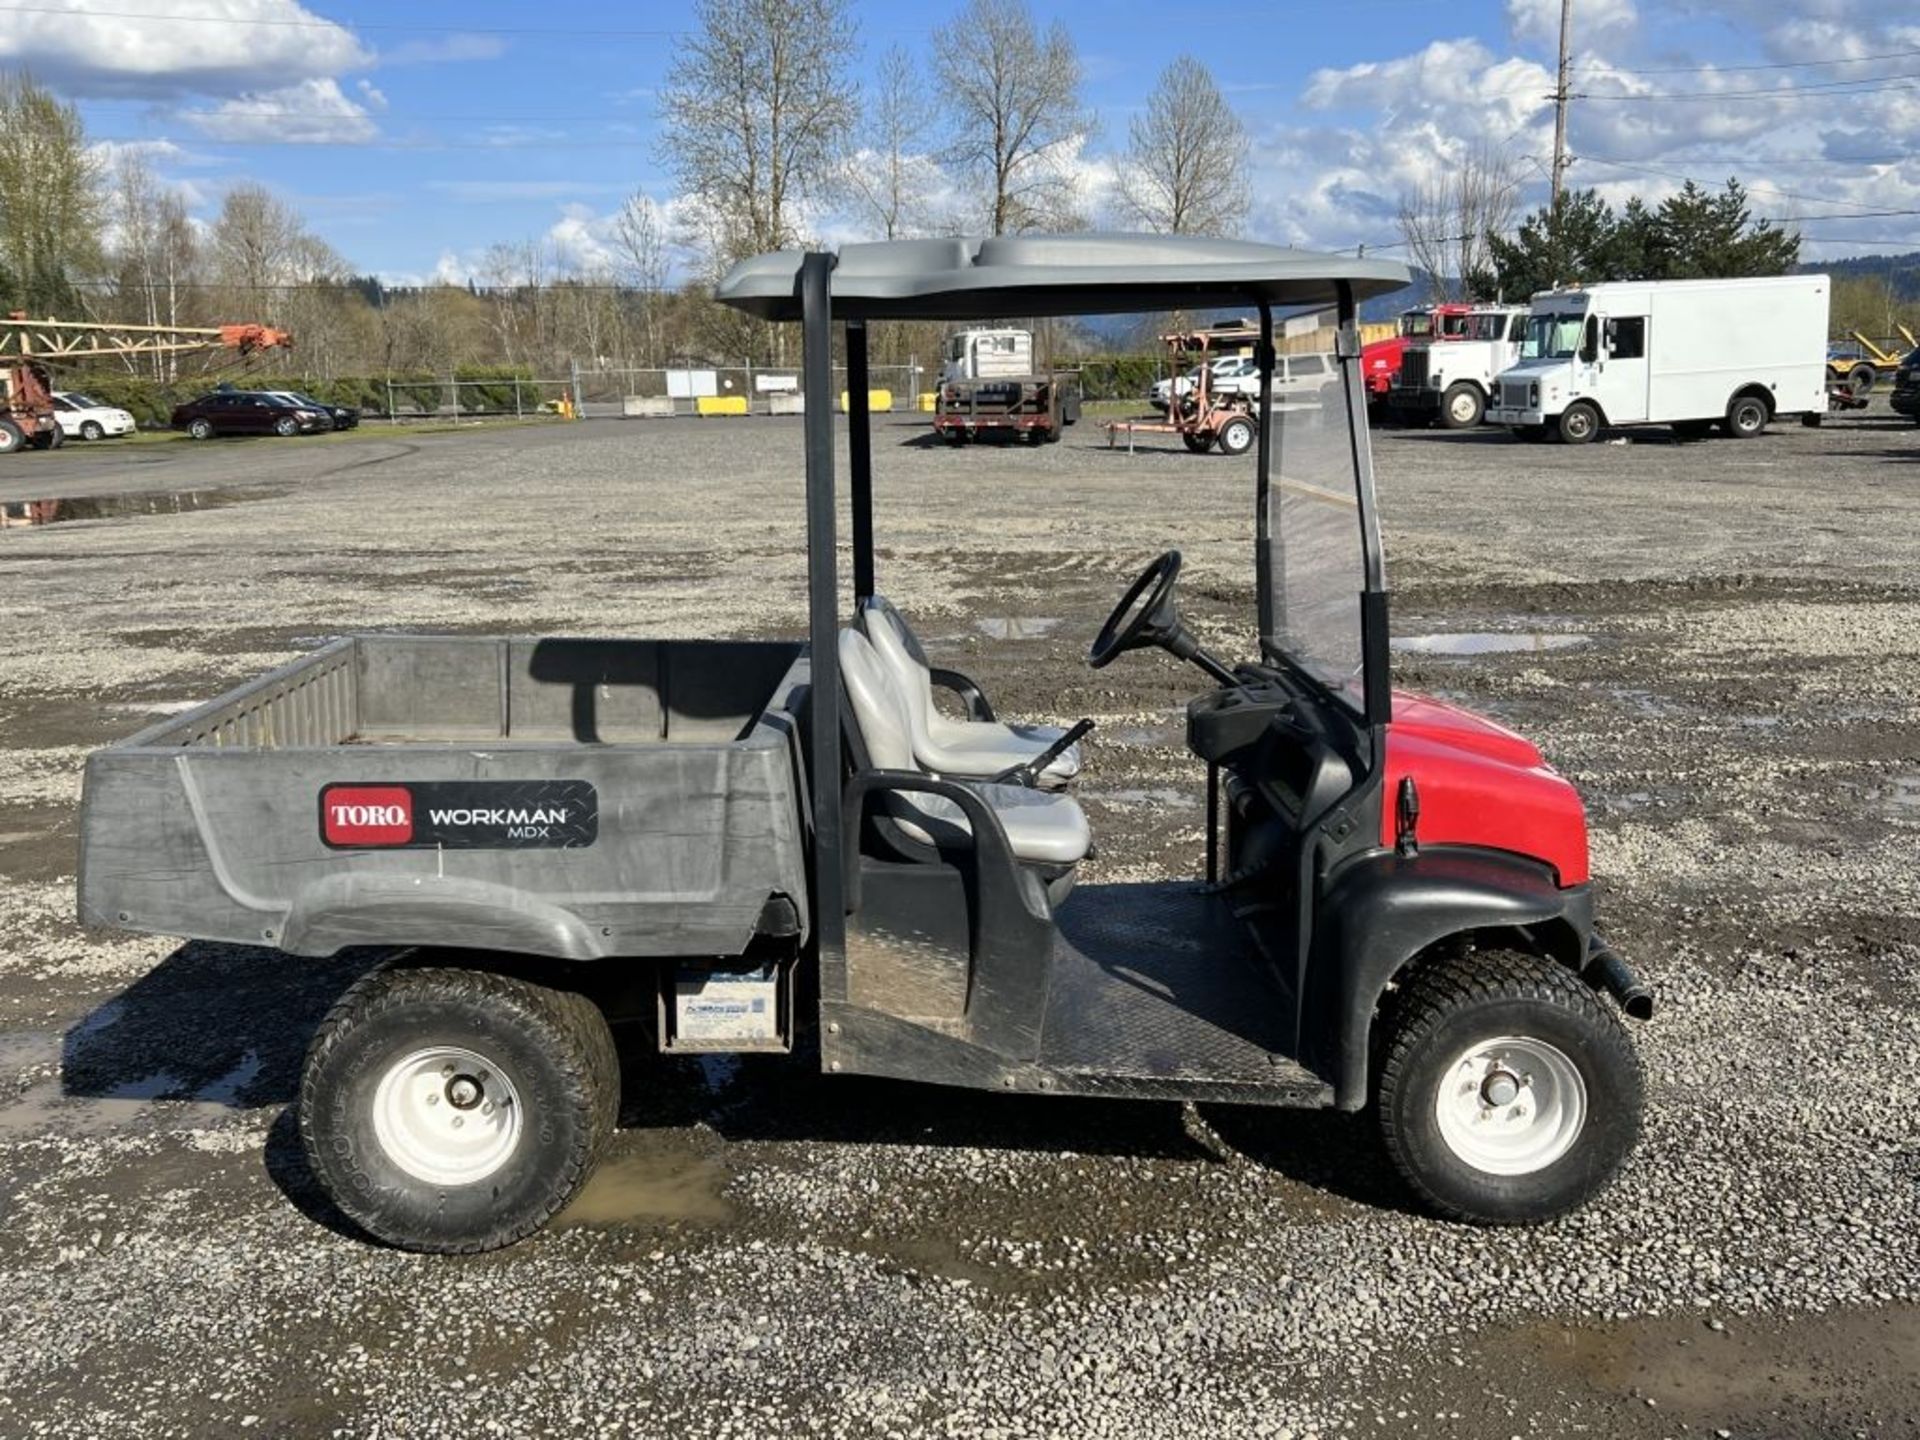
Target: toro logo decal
x: 366, y: 815
x: 461, y: 815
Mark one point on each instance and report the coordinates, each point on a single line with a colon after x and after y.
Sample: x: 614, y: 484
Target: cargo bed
x: 570, y: 798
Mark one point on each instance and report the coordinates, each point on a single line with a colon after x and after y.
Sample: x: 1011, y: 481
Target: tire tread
x: 1484, y: 977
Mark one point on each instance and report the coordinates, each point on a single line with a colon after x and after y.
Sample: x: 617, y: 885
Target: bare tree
x: 890, y: 176
x: 1185, y: 172
x: 756, y: 111
x: 1446, y: 222
x: 640, y: 231
x: 1014, y: 98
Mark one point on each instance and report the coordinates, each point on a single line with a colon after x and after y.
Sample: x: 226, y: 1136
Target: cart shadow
x: 775, y: 1099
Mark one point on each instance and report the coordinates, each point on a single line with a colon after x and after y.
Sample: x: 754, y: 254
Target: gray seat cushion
x: 1043, y: 827
x: 970, y: 749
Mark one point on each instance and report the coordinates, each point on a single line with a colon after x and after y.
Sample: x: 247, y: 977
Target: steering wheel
x: 1133, y: 622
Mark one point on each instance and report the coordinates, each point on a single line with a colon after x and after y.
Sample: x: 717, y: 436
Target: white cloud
x: 445, y: 49
x: 203, y: 47
x: 313, y: 112
x: 1537, y: 22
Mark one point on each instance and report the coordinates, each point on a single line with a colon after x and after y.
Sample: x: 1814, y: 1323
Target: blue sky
x: 413, y: 136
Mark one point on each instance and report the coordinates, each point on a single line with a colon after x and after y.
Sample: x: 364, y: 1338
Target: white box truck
x: 1692, y: 354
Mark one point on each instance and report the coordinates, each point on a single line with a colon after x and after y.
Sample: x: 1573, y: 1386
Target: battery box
x: 714, y: 1008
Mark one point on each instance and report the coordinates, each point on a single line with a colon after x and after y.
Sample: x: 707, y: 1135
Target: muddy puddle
x: 1487, y: 642
x: 22, y: 514
x: 652, y: 1186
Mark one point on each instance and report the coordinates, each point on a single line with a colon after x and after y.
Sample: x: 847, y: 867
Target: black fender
x: 1380, y: 910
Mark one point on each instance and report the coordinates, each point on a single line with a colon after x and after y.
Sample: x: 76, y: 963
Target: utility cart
x: 772, y: 846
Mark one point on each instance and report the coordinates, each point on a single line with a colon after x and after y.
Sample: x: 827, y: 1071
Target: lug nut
x: 458, y: 1121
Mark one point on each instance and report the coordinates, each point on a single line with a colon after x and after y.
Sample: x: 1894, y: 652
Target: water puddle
x: 1486, y: 642
x: 652, y: 1188
x: 1017, y: 627
x: 21, y: 514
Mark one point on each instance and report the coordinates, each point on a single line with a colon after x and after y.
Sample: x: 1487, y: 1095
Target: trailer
x: 1692, y: 354
x: 1204, y: 408
x: 786, y: 846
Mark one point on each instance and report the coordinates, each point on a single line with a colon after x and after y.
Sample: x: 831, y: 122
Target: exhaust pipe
x: 1606, y: 970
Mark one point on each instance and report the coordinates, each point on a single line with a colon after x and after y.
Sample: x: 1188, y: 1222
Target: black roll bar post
x: 860, y: 459
x: 1263, y: 484
x: 823, y: 629
x: 1375, y: 659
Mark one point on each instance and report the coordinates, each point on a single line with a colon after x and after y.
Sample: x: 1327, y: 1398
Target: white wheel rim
x: 447, y: 1116
x: 1463, y: 408
x: 1511, y: 1106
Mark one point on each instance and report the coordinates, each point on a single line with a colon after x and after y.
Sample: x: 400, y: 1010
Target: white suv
x: 81, y: 417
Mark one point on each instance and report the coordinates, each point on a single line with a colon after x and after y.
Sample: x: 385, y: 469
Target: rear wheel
x: 200, y: 429
x: 1860, y: 379
x: 49, y: 439
x: 12, y: 437
x: 1579, y: 423
x: 1509, y: 1091
x: 1198, y: 442
x: 456, y: 1110
x: 1746, y: 417
x: 1461, y: 407
x: 1236, y: 436
x: 92, y: 430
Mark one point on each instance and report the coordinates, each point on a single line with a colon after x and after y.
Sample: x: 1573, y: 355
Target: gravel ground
x: 1719, y: 642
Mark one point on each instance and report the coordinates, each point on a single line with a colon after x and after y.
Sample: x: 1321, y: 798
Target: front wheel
x: 1579, y: 423
x: 200, y: 429
x: 1236, y: 436
x: 92, y: 430
x: 1462, y: 406
x: 455, y: 1111
x: 286, y: 426
x: 1509, y: 1091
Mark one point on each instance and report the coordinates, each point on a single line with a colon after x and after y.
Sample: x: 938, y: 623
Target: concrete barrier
x: 646, y: 405
x: 925, y: 401
x: 786, y: 404
x: 878, y: 401
x: 722, y: 405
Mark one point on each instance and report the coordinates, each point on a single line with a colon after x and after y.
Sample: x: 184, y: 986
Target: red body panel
x: 1481, y: 784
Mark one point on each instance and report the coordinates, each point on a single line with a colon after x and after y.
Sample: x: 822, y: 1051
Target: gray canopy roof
x: 978, y: 279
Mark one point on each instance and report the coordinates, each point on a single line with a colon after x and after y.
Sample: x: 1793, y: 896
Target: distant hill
x: 1901, y: 271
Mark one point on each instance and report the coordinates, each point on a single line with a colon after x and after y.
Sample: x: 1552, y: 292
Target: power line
x: 1777, y: 65
x: 1825, y: 89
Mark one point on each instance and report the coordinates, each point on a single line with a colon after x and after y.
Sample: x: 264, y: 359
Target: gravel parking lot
x: 1718, y: 641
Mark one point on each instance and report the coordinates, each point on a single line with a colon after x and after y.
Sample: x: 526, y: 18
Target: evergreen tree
x: 1554, y: 247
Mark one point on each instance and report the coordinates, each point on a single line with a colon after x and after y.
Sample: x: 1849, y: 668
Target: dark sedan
x: 343, y: 417
x: 247, y: 412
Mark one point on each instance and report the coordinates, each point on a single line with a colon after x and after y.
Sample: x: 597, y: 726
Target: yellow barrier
x: 925, y: 400
x: 721, y: 404
x: 878, y: 401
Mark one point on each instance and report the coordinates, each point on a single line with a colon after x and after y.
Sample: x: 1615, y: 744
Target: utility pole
x: 1560, y: 108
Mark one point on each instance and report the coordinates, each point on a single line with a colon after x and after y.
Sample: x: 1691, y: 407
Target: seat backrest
x: 896, y: 648
x: 878, y: 708
x: 878, y: 618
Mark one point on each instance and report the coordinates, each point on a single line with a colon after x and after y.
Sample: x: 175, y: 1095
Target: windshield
x: 1552, y: 337
x: 1319, y: 555
x: 81, y: 402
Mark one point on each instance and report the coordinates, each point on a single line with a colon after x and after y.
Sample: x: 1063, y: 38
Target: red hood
x: 1446, y: 724
x: 1480, y: 784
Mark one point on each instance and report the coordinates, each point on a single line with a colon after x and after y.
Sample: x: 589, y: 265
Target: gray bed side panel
x: 225, y: 844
